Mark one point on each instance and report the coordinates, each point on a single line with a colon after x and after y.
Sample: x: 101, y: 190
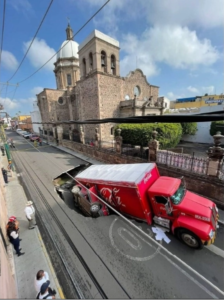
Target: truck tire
x: 189, y: 239
x: 94, y: 209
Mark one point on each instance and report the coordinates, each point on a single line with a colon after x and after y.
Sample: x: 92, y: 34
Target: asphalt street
x: 126, y: 263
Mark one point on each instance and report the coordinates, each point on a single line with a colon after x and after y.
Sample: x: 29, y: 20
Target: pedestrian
x: 12, y: 143
x: 3, y: 150
x: 40, y: 142
x: 30, y: 214
x: 35, y: 143
x: 5, y: 175
x: 10, y: 166
x: 13, y: 236
x: 41, y: 277
x: 46, y: 292
x: 13, y: 220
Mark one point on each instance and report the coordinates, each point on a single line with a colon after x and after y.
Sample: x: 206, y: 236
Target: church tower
x: 99, y: 52
x: 67, y: 65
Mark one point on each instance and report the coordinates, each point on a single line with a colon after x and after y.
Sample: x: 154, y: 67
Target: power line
x: 67, y: 41
x: 3, y: 27
x: 32, y: 40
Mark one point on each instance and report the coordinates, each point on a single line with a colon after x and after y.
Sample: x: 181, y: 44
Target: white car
x: 26, y: 134
x: 21, y: 132
x: 18, y: 130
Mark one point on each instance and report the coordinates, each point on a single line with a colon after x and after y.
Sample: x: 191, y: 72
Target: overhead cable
x: 144, y: 119
x: 66, y: 42
x: 32, y: 40
x: 3, y: 28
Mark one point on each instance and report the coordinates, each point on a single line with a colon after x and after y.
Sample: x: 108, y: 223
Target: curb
x: 58, y: 287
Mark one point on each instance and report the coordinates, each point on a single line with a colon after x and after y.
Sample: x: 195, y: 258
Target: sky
x: 178, y: 44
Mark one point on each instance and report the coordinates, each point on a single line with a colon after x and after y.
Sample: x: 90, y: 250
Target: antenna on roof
x: 68, y: 21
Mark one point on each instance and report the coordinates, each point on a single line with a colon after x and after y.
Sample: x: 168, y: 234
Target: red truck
x: 139, y: 192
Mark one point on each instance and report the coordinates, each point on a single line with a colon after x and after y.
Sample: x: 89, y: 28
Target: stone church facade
x: 89, y: 86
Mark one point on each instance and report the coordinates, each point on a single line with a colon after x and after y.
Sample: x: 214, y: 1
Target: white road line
x: 216, y: 250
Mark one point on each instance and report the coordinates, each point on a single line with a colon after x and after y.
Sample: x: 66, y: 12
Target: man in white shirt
x: 41, y: 277
x: 45, y: 293
x: 30, y: 214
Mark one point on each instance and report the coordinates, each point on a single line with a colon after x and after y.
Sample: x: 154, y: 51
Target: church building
x: 89, y: 86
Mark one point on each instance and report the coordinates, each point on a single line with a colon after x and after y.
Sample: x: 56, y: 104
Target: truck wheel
x: 94, y: 209
x: 190, y: 239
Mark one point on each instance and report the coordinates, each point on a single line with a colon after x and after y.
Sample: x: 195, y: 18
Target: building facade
x: 89, y: 86
x: 36, y: 117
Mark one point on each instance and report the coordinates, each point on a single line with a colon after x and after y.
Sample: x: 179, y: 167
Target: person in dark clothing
x: 5, y: 175
x: 13, y: 236
x: 3, y: 150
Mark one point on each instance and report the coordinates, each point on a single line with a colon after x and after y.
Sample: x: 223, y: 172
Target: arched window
x: 90, y: 61
x: 103, y: 61
x: 84, y: 66
x: 113, y: 65
x: 69, y: 79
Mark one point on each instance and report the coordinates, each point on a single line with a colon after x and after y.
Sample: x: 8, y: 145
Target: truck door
x: 160, y: 207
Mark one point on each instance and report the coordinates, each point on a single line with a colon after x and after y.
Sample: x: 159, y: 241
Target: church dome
x: 70, y: 49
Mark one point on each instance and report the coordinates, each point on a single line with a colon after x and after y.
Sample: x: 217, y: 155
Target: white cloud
x: 193, y: 90
x: 204, y: 13
x: 202, y: 90
x: 176, y: 46
x: 173, y: 96
x: 9, y: 104
x: 9, y: 61
x: 39, y: 53
x: 36, y: 90
x: 20, y: 5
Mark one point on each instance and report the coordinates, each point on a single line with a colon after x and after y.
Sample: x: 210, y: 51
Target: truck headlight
x: 211, y: 234
x: 216, y: 208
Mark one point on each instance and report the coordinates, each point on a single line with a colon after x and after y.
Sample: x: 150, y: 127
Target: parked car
x: 34, y: 137
x: 26, y: 134
x: 18, y: 130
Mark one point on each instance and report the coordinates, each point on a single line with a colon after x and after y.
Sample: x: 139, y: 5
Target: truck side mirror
x: 168, y: 208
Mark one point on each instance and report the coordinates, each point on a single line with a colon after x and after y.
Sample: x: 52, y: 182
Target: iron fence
x: 135, y: 151
x: 183, y: 161
x: 109, y: 146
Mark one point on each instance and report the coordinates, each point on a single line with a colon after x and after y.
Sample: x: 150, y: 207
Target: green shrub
x: 214, y: 127
x: 189, y: 128
x: 169, y: 134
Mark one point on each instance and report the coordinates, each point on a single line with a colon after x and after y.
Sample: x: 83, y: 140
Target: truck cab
x: 191, y: 217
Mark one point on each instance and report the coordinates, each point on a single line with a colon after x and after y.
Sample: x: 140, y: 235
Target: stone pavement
x: 35, y: 258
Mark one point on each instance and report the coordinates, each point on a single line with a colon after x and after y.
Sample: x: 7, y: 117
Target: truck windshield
x: 179, y: 195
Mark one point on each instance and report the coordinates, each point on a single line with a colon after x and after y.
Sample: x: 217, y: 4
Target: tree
x: 189, y: 128
x: 169, y: 134
x: 216, y: 126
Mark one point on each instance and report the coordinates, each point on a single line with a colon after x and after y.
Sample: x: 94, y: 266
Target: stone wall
x: 203, y: 185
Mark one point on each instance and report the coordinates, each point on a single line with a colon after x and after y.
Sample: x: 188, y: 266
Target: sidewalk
x: 35, y: 258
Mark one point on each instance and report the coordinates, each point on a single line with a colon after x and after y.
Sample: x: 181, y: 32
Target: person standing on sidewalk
x: 3, y: 150
x: 30, y: 214
x: 13, y: 236
x: 5, y: 175
x: 13, y: 219
x: 42, y: 277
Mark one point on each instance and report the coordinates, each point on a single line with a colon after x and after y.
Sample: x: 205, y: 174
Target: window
x: 161, y: 199
x: 112, y: 130
x: 90, y: 61
x: 84, y: 66
x: 179, y: 195
x: 103, y: 61
x: 69, y: 79
x: 61, y: 101
x: 137, y: 91
x: 113, y: 64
